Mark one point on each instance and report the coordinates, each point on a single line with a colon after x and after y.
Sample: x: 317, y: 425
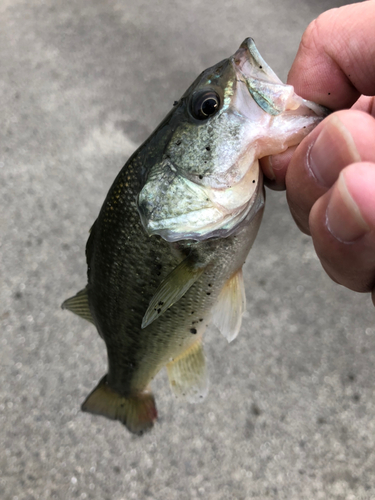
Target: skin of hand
x: 330, y: 177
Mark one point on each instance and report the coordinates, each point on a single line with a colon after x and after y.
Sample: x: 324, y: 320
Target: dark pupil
x: 205, y: 104
x: 209, y: 106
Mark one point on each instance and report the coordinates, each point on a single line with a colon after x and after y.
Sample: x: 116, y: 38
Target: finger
x: 334, y: 65
x: 342, y: 224
x: 335, y: 62
x: 343, y: 138
x: 365, y: 103
x: 275, y: 167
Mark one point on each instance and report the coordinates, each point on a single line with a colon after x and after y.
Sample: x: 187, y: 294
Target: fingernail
x: 343, y: 217
x: 333, y: 150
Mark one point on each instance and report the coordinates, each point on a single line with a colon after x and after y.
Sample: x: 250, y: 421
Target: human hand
x: 330, y: 177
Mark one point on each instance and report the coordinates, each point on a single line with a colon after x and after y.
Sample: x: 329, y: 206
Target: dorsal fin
x: 79, y: 304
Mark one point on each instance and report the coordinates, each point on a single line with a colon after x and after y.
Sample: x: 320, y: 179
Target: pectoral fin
x: 79, y: 304
x: 227, y: 312
x: 175, y: 285
x: 188, y: 374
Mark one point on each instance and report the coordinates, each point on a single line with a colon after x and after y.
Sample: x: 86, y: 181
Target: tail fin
x: 136, y: 412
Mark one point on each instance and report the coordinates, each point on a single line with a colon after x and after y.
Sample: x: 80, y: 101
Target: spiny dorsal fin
x: 227, y: 312
x: 188, y: 374
x: 137, y: 412
x: 175, y: 285
x: 79, y: 304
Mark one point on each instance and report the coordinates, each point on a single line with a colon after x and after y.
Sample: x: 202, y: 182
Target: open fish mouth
x: 202, y: 212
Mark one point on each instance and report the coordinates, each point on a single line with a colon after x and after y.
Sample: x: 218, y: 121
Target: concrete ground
x: 291, y: 413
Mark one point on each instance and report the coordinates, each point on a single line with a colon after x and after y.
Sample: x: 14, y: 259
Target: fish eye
x: 205, y: 104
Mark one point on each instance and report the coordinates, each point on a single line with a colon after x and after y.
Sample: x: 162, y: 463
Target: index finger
x: 335, y: 62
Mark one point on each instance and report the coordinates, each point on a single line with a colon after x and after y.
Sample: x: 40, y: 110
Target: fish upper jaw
x: 176, y: 208
x: 266, y: 88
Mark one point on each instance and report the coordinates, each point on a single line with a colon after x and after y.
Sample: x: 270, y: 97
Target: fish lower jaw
x: 182, y: 228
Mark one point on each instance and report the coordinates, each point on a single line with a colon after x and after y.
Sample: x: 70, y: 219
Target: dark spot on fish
x: 116, y: 469
x: 356, y: 397
x: 200, y: 319
x: 193, y: 330
x: 209, y: 284
x: 192, y: 312
x: 329, y: 93
x: 17, y: 295
x: 161, y: 303
x: 178, y: 143
x: 260, y: 67
x: 159, y: 311
x: 253, y: 182
x: 175, y: 103
x: 208, y: 148
x: 208, y: 293
x: 200, y: 176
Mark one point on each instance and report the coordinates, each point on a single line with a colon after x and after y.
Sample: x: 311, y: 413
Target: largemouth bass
x: 165, y: 254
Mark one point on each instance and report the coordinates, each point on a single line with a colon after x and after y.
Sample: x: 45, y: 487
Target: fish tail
x: 137, y: 412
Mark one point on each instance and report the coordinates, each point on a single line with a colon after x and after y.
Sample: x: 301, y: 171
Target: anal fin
x: 188, y: 374
x: 231, y: 304
x: 137, y: 412
x: 79, y: 304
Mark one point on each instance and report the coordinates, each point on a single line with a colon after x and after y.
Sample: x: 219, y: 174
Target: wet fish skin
x: 165, y: 254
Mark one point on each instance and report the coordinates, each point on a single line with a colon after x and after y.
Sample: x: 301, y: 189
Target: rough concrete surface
x: 290, y: 414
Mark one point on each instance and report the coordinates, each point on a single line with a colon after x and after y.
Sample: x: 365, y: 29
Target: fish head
x: 207, y: 179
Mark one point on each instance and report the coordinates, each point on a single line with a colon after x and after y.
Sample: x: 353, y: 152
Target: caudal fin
x: 136, y: 412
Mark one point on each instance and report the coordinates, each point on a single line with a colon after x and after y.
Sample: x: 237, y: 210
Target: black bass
x: 165, y: 254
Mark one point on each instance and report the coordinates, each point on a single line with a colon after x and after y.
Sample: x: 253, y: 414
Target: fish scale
x: 165, y: 254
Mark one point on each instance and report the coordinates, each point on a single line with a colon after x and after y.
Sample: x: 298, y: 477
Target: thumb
x: 342, y: 225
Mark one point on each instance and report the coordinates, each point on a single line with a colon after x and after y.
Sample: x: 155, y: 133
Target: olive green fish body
x: 165, y: 254
x: 126, y: 267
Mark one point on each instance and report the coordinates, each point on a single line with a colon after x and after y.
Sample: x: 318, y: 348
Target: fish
x: 166, y: 251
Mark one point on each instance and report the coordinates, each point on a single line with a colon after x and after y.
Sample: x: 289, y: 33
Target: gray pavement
x: 290, y: 414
